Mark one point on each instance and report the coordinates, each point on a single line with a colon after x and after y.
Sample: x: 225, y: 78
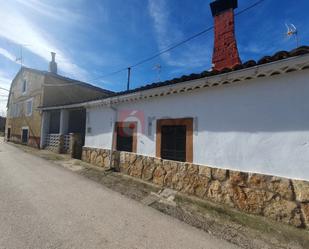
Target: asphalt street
x: 43, y: 205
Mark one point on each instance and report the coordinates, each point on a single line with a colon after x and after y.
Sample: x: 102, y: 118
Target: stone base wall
x: 281, y: 199
x: 32, y: 141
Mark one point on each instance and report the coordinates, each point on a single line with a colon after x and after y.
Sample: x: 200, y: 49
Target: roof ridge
x: 279, y: 55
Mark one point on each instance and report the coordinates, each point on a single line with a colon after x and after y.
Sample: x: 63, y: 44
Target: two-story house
x: 2, y: 124
x: 33, y: 88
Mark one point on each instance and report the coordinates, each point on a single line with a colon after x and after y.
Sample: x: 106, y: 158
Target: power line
x: 4, y: 89
x: 176, y: 45
x: 168, y: 49
x: 249, y: 7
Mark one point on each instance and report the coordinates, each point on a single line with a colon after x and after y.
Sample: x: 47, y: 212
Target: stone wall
x: 280, y: 199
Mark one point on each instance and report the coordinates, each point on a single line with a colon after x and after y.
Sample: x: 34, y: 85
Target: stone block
x: 106, y: 163
x: 136, y: 168
x: 219, y: 174
x: 171, y: 169
x: 205, y: 171
x: 93, y: 157
x: 238, y: 178
x: 181, y: 179
x: 250, y: 200
x: 283, y: 187
x: 301, y: 189
x: 259, y: 181
x: 192, y: 169
x: 132, y: 158
x: 218, y: 193
x: 284, y: 211
x: 88, y: 153
x: 200, y: 185
x: 158, y: 176
x: 99, y: 161
x: 305, y: 212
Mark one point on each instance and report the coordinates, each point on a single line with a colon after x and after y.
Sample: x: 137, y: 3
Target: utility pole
x: 129, y: 77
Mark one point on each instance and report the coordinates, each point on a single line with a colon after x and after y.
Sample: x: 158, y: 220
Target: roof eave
x: 283, y: 66
x: 265, y: 70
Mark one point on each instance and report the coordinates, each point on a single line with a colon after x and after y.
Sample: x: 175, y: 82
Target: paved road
x: 45, y: 206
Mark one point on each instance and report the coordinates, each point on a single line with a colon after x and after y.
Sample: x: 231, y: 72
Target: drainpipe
x: 113, y: 136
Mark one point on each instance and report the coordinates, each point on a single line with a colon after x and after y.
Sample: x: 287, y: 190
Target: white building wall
x: 260, y: 125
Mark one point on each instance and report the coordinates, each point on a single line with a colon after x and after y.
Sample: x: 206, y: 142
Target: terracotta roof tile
x: 251, y: 63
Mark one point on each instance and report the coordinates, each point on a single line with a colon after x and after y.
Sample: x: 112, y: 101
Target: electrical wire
x: 168, y: 49
x: 1, y: 88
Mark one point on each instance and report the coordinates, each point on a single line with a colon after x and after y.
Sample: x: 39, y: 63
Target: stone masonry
x: 280, y: 199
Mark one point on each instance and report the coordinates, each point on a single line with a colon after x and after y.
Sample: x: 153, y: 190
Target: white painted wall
x: 260, y: 125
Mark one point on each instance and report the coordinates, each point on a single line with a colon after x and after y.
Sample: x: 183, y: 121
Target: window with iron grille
x: 173, y: 142
x: 174, y: 139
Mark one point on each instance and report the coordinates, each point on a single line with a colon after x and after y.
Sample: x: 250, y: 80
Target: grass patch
x: 52, y: 157
x: 282, y: 232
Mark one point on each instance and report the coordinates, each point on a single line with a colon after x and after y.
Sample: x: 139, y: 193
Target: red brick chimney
x: 225, y: 54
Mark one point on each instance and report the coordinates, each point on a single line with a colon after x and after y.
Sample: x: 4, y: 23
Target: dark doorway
x: 8, y: 134
x: 24, y: 136
x: 126, y: 136
x: 54, y: 125
x: 77, y: 123
x: 124, y: 140
x: 173, y: 142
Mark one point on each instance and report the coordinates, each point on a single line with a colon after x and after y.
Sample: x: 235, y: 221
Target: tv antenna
x: 158, y: 68
x: 20, y: 59
x: 292, y: 31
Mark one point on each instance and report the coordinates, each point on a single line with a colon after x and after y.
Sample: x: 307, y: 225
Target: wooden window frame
x: 122, y: 125
x: 188, y: 122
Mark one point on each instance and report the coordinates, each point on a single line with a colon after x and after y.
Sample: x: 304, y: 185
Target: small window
x: 15, y: 110
x: 174, y: 139
x: 173, y: 142
x: 24, y: 86
x: 29, y: 107
x: 125, y: 136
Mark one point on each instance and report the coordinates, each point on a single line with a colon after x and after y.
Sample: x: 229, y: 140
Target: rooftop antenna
x: 20, y: 59
x: 292, y: 32
x: 158, y: 68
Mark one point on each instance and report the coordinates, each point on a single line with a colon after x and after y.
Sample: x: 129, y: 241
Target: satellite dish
x: 292, y: 32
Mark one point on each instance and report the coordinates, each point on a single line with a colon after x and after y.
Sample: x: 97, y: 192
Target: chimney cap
x: 53, y: 64
x: 220, y: 6
x: 53, y: 54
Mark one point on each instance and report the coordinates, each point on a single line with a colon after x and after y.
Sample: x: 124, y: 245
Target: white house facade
x: 253, y: 125
x: 237, y: 135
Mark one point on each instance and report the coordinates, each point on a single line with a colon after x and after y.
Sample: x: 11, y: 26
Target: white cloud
x: 189, y: 55
x: 48, y: 10
x: 7, y: 54
x: 159, y: 13
x: 4, y: 83
x: 18, y: 29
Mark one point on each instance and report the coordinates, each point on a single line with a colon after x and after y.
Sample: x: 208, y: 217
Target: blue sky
x: 96, y: 37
